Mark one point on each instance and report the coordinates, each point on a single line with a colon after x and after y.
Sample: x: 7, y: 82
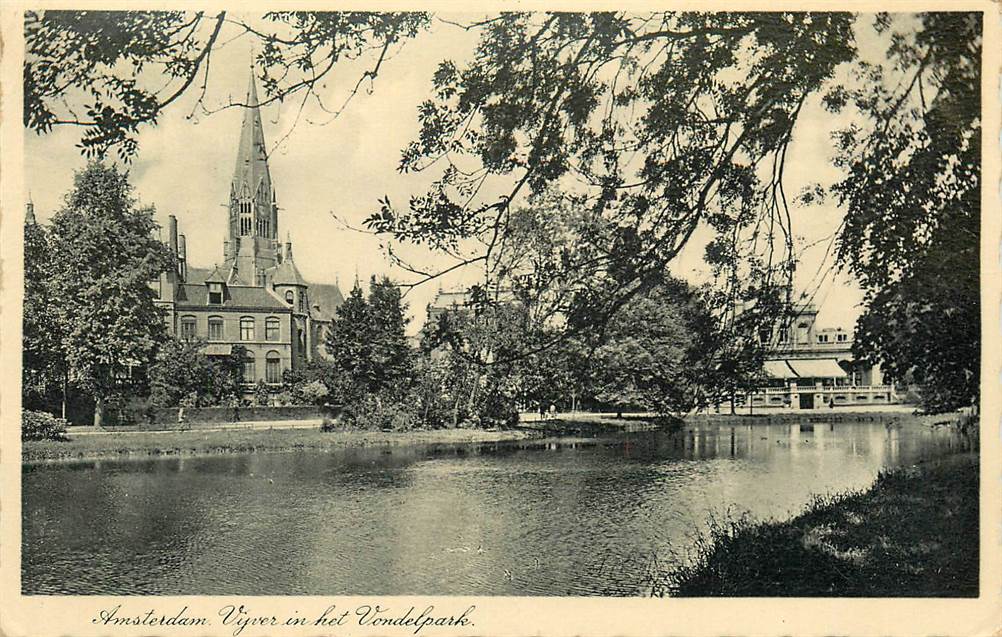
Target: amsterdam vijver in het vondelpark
x: 511, y: 304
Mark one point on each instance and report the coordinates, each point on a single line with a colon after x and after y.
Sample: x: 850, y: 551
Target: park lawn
x: 207, y: 442
x: 913, y: 534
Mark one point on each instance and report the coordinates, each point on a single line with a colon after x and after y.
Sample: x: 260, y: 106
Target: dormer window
x: 215, y: 293
x: 289, y: 297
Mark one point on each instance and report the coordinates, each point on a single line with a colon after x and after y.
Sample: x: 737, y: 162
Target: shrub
x: 374, y: 413
x: 262, y: 394
x: 38, y: 425
x: 314, y: 393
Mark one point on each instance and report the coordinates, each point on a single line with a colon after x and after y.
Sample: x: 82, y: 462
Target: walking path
x: 250, y: 424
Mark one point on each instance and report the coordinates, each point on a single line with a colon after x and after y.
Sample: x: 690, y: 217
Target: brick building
x: 256, y: 297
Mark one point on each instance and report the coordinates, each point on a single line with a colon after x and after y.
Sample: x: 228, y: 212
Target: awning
x: 779, y: 369
x: 218, y: 349
x: 818, y: 368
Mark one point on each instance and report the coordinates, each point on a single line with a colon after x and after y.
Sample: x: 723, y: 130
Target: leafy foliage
x: 105, y: 64
x: 181, y: 370
x: 38, y: 425
x: 913, y: 210
x: 42, y: 363
x: 104, y: 254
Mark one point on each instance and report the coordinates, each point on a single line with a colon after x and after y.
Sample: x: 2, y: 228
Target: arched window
x: 302, y: 301
x: 271, y: 328
x: 188, y: 328
x: 247, y: 328
x: 289, y: 297
x: 215, y: 328
x: 250, y: 371
x: 273, y: 367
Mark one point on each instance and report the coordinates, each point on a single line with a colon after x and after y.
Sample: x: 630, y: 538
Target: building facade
x: 812, y: 368
x: 256, y: 298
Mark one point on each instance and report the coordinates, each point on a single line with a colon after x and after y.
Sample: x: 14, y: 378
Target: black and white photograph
x: 500, y: 303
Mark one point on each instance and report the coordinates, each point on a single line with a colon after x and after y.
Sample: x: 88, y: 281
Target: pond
x: 567, y: 516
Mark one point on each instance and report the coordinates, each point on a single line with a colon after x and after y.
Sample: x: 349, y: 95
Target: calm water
x: 558, y: 517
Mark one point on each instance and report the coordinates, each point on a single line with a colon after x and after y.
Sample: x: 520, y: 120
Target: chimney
x: 182, y: 258
x: 172, y: 234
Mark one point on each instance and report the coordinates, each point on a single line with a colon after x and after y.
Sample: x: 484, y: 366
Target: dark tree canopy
x: 104, y: 253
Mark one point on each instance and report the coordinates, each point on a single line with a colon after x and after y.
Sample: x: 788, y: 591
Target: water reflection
x: 569, y: 516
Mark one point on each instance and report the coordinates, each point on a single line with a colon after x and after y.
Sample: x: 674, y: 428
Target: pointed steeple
x: 29, y: 212
x: 251, y: 177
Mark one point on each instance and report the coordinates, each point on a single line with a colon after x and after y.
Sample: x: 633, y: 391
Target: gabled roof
x: 197, y: 275
x: 286, y: 273
x: 328, y: 297
x: 215, y: 276
x: 197, y: 295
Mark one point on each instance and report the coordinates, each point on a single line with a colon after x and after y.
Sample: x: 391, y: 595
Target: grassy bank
x: 913, y: 534
x: 195, y: 442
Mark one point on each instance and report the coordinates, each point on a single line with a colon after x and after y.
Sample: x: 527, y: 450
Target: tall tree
x: 392, y: 358
x: 349, y: 345
x: 42, y: 366
x: 105, y: 253
x: 913, y: 202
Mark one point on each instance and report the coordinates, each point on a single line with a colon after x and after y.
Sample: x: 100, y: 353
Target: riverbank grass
x: 208, y: 442
x: 913, y: 534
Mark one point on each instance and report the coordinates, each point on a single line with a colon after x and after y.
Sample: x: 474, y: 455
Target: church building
x: 256, y: 297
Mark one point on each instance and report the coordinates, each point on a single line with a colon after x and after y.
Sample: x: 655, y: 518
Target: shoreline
x: 210, y: 442
x: 88, y: 445
x: 912, y: 533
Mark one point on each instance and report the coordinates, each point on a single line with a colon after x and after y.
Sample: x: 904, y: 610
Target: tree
x: 392, y: 362
x: 181, y: 369
x: 913, y: 200
x: 663, y: 352
x: 367, y: 344
x: 104, y: 254
x: 100, y: 62
x: 42, y: 364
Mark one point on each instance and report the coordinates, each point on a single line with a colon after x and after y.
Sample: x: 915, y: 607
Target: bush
x: 38, y: 425
x: 314, y: 393
x: 373, y: 413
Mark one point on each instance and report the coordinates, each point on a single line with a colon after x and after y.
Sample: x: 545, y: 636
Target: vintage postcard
x: 526, y: 318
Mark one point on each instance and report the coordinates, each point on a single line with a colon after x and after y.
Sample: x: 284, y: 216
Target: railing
x: 825, y: 395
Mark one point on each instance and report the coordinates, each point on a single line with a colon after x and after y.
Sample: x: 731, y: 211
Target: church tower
x: 252, y: 246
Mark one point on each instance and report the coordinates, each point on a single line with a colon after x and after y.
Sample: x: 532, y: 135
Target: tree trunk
x: 98, y: 411
x: 65, y: 391
x: 733, y: 401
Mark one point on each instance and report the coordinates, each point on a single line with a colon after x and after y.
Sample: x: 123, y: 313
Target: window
x: 822, y: 338
x: 247, y: 328
x: 215, y: 293
x: 803, y: 335
x: 302, y: 302
x: 273, y: 368
x: 249, y: 369
x: 764, y: 336
x: 841, y: 338
x: 784, y: 335
x: 289, y: 297
x: 271, y: 329
x: 187, y: 328
x: 215, y: 328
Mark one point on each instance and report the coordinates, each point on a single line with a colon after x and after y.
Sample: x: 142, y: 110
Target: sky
x: 326, y: 166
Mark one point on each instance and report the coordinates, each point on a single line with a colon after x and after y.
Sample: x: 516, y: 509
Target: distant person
x: 831, y: 403
x: 180, y: 418
x: 542, y: 411
x: 553, y: 410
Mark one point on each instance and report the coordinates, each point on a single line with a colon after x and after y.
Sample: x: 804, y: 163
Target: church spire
x: 251, y: 177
